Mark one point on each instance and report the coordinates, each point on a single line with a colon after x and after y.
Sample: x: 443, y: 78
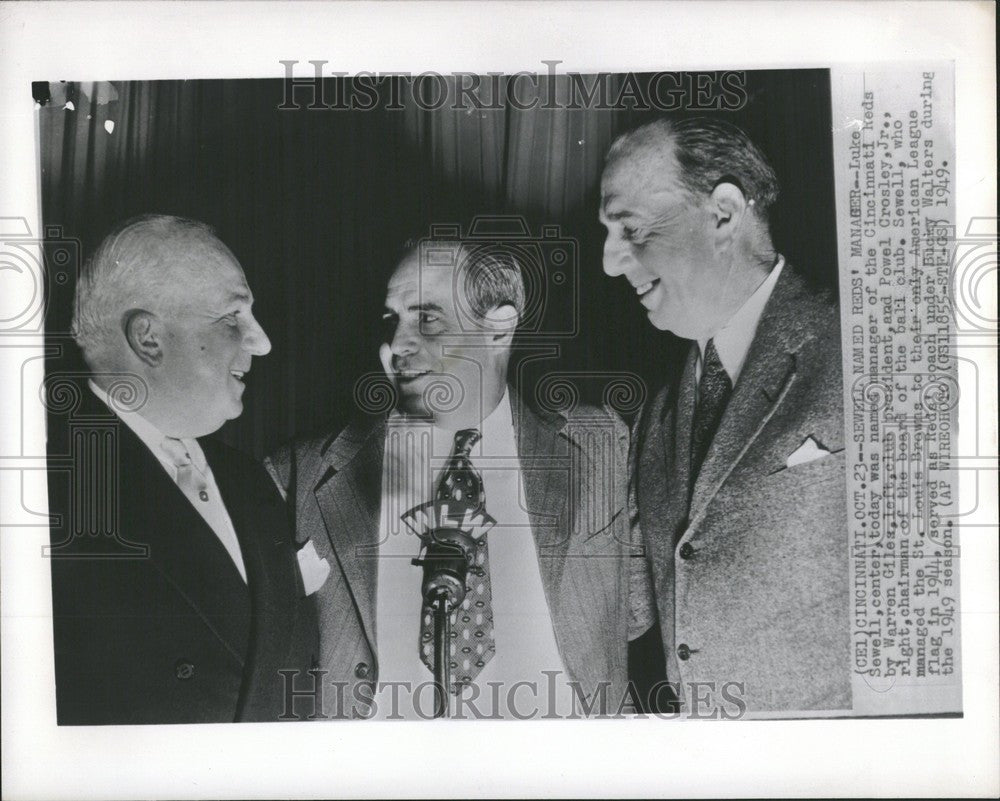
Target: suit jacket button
x: 361, y: 670
x: 184, y: 670
x: 683, y: 652
x: 686, y: 551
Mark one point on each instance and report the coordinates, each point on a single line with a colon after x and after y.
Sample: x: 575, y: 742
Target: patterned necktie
x: 714, y: 390
x: 189, y: 477
x: 472, y: 643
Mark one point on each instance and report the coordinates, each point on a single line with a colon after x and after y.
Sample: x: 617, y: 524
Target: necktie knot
x: 712, y: 363
x: 465, y: 441
x: 189, y: 467
x: 460, y: 480
x: 177, y: 451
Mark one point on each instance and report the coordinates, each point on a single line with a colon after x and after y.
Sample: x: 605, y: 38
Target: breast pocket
x: 825, y: 468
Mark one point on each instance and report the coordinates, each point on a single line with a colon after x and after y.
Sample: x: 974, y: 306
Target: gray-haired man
x: 176, y: 592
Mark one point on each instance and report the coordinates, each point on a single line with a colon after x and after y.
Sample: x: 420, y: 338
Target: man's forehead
x: 213, y: 271
x: 623, y: 199
x: 647, y: 173
x: 416, y: 278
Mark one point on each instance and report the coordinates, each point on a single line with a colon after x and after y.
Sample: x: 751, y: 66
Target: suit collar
x: 733, y: 341
x: 348, y: 494
x: 770, y: 370
x: 339, y: 451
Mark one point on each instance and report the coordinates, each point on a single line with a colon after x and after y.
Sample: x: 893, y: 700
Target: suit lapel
x: 349, y: 497
x: 544, y: 457
x: 663, y: 463
x: 767, y: 375
x: 581, y: 583
x: 264, y: 543
x: 183, y: 547
x: 679, y: 456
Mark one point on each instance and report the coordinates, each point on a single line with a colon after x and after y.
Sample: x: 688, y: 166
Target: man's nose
x: 255, y: 341
x: 404, y: 341
x: 615, y: 256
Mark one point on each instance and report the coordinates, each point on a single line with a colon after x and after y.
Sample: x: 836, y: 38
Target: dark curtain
x: 315, y: 203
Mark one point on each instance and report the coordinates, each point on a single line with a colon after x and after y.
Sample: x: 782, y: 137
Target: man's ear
x: 144, y: 335
x: 502, y: 321
x: 729, y: 205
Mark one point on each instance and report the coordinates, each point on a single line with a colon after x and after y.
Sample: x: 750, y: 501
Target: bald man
x: 737, y: 464
x: 176, y: 589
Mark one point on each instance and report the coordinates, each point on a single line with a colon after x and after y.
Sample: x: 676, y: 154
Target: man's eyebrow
x: 606, y: 201
x: 245, y: 297
x: 422, y: 307
x: 618, y: 215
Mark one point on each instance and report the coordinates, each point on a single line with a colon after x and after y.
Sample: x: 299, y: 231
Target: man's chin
x: 679, y: 327
x: 663, y: 322
x: 412, y: 404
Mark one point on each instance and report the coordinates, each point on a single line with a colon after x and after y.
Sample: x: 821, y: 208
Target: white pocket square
x: 313, y: 568
x: 808, y: 451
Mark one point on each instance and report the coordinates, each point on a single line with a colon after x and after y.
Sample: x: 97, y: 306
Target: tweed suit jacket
x: 751, y: 577
x: 573, y: 469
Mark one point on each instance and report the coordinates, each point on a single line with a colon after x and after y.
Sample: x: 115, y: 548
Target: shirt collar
x: 732, y: 341
x: 498, y: 423
x: 149, y: 434
x: 496, y: 429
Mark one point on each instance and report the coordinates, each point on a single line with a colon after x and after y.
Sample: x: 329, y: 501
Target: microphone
x: 450, y: 533
x: 448, y: 555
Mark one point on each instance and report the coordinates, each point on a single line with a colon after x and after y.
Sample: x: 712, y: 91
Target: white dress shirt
x: 209, y: 505
x: 414, y: 457
x: 733, y: 340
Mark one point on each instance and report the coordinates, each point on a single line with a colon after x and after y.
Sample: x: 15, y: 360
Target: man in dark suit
x: 547, y: 615
x: 737, y: 469
x: 175, y: 586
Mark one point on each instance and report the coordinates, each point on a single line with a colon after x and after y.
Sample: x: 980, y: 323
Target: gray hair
x: 489, y: 273
x: 132, y: 266
x: 709, y: 151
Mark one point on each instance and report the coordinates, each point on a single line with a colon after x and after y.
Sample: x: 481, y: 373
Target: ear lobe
x: 503, y: 322
x: 385, y: 356
x: 728, y: 203
x: 143, y: 334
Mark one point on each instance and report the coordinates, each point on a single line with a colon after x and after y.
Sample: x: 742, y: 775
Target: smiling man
x: 175, y: 583
x: 736, y: 464
x: 546, y: 620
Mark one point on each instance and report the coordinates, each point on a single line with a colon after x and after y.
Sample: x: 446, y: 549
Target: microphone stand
x: 447, y: 556
x: 442, y: 654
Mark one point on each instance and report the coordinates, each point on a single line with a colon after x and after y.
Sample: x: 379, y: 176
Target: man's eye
x: 630, y: 234
x: 232, y: 318
x: 427, y: 318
